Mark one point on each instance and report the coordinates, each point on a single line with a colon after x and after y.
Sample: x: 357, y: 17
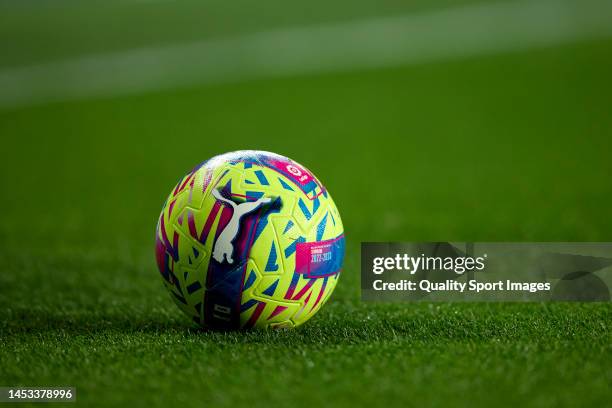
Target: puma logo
x: 224, y: 247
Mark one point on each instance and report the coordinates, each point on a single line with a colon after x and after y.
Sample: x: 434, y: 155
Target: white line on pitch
x: 431, y: 36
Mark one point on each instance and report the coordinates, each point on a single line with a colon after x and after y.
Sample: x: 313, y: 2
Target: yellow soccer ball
x: 250, y: 239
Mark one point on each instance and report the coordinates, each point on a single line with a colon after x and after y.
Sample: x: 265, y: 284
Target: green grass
x: 507, y: 147
x: 472, y: 355
x: 33, y: 31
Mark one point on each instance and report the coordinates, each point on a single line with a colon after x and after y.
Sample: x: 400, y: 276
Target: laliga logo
x: 297, y: 173
x: 224, y: 247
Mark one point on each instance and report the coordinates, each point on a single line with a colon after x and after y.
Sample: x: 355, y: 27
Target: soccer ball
x: 250, y: 239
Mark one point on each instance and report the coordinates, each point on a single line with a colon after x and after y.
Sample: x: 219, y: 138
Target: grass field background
x: 507, y: 146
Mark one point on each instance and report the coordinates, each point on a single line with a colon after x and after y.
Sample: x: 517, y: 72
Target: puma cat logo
x: 224, y: 247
